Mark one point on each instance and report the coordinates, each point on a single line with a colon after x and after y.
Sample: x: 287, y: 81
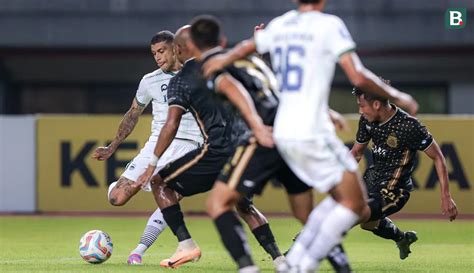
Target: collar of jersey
x: 170, y: 72
x: 390, y: 118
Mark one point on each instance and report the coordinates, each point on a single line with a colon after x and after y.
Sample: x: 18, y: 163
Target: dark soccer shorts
x: 195, y: 172
x: 252, y: 166
x: 385, y: 202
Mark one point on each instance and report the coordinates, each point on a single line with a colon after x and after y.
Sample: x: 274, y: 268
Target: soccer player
x: 152, y: 88
x: 197, y: 171
x: 304, y: 46
x: 396, y: 137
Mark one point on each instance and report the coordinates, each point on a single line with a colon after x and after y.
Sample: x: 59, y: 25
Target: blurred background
x: 87, y: 57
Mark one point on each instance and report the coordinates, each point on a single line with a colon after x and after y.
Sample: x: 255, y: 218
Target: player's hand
x: 264, y: 136
x: 102, y: 153
x: 258, y: 27
x: 448, y: 207
x: 408, y: 103
x: 214, y: 64
x: 145, y: 177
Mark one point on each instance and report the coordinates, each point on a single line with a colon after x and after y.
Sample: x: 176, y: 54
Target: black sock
x: 174, y: 218
x: 388, y: 230
x: 234, y: 238
x: 264, y: 236
x: 338, y: 259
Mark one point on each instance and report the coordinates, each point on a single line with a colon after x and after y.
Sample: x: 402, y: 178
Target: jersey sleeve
x: 339, y: 39
x: 263, y: 38
x: 363, y: 134
x: 179, y: 93
x: 143, y: 96
x: 420, y: 138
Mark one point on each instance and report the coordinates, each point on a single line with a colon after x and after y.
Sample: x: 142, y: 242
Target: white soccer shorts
x: 320, y: 163
x: 177, y: 149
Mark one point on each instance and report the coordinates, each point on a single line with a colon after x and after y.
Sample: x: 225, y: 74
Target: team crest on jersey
x: 164, y: 87
x: 392, y: 141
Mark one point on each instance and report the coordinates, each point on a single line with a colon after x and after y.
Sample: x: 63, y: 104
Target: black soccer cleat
x: 404, y: 244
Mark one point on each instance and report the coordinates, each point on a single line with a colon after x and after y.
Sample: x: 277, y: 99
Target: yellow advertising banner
x: 70, y: 180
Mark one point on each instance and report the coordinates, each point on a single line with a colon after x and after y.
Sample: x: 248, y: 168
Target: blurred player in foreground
x: 304, y: 46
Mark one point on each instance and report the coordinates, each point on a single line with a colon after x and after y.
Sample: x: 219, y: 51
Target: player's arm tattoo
x: 128, y: 122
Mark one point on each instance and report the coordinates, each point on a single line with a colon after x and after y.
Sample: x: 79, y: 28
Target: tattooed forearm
x: 129, y: 120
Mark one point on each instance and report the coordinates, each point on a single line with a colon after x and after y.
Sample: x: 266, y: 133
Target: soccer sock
x: 388, y: 230
x: 155, y: 226
x: 309, y: 231
x: 174, y: 218
x: 339, y: 220
x: 265, y: 238
x: 234, y: 238
x: 338, y: 259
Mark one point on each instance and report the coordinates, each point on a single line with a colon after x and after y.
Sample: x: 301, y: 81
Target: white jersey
x: 304, y: 48
x: 153, y: 87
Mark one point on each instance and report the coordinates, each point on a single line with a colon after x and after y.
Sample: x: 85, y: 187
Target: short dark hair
x: 162, y: 36
x: 369, y: 96
x: 205, y: 31
x: 309, y: 1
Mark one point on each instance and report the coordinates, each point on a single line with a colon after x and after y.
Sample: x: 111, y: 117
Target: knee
x: 115, y: 196
x: 301, y: 216
x: 116, y: 200
x: 213, y: 206
x: 218, y: 202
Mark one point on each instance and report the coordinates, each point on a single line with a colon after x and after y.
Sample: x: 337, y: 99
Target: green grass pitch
x: 50, y: 244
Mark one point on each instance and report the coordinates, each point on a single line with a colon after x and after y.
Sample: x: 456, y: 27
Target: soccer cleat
x: 404, y: 244
x: 134, y: 259
x: 182, y: 256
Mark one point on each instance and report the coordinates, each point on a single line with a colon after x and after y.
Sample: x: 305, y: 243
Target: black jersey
x: 188, y: 90
x: 260, y: 83
x: 395, y: 143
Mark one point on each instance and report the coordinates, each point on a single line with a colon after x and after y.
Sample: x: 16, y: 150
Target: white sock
x: 309, y: 231
x: 338, y: 221
x: 187, y: 244
x: 154, y: 227
x: 279, y: 260
x: 111, y: 187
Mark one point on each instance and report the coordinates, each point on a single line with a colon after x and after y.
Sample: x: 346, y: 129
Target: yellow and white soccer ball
x: 96, y: 246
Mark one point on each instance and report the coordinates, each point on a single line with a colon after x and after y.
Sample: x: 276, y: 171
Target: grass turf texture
x: 50, y: 244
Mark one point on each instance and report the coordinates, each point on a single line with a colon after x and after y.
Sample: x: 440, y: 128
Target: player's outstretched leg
x: 154, y: 227
x: 258, y: 223
x: 220, y: 204
x: 188, y: 250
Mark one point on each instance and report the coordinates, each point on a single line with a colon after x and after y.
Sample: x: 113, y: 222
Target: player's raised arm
x: 241, y: 50
x: 127, y: 124
x: 365, y: 80
x: 238, y: 95
x: 448, y: 206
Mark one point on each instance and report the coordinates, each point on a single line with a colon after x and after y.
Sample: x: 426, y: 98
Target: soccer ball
x: 95, y: 246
